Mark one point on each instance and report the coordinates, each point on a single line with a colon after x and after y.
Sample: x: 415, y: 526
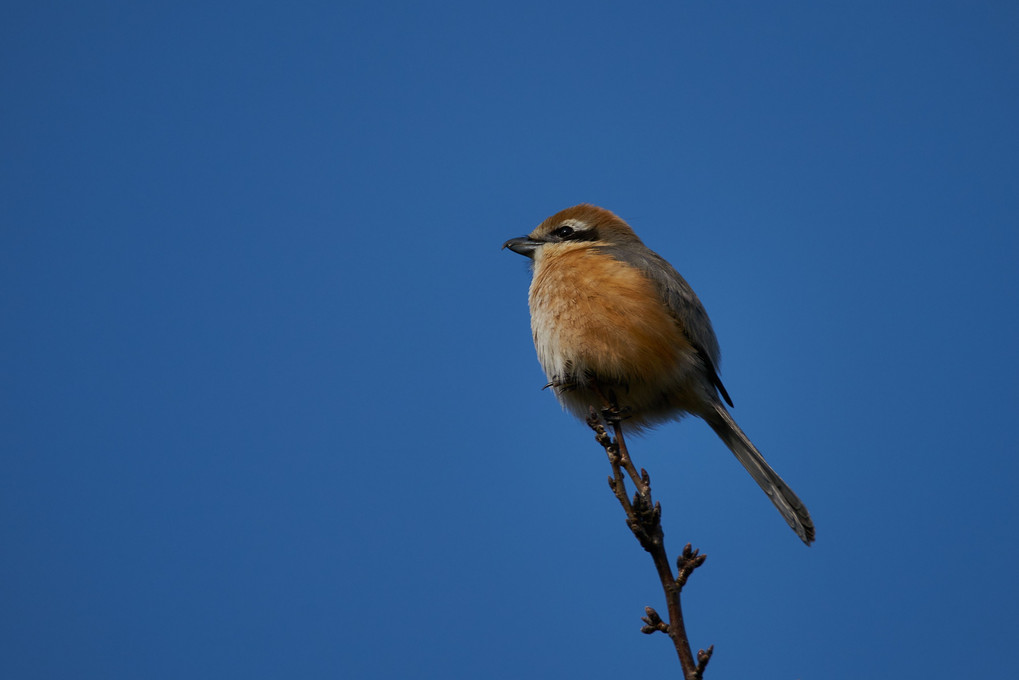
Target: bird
x: 611, y: 316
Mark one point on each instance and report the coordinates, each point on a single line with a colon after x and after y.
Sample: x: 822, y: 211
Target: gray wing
x: 683, y: 302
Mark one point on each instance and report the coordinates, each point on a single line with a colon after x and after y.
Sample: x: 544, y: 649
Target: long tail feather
x: 791, y: 507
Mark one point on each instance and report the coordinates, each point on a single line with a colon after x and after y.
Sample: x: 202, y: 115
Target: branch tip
x: 687, y: 563
x: 703, y: 657
x: 653, y: 622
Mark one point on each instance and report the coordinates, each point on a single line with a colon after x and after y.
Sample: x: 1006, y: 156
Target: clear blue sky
x: 270, y: 407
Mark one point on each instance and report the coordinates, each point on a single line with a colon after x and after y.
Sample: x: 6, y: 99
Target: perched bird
x: 609, y: 315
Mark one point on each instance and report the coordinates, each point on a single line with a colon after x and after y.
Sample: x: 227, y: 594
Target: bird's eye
x: 564, y: 232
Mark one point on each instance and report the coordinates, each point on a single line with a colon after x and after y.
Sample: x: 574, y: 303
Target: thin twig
x: 643, y: 516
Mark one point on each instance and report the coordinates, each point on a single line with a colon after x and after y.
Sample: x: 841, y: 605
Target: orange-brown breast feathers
x: 592, y: 314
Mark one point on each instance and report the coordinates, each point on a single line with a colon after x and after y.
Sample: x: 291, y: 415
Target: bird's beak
x: 523, y: 245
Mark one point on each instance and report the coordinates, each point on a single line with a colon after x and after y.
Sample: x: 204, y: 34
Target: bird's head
x: 581, y: 223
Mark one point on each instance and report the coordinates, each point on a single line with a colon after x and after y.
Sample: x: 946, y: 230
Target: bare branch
x: 643, y: 516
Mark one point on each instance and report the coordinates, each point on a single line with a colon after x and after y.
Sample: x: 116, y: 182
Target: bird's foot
x: 561, y: 385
